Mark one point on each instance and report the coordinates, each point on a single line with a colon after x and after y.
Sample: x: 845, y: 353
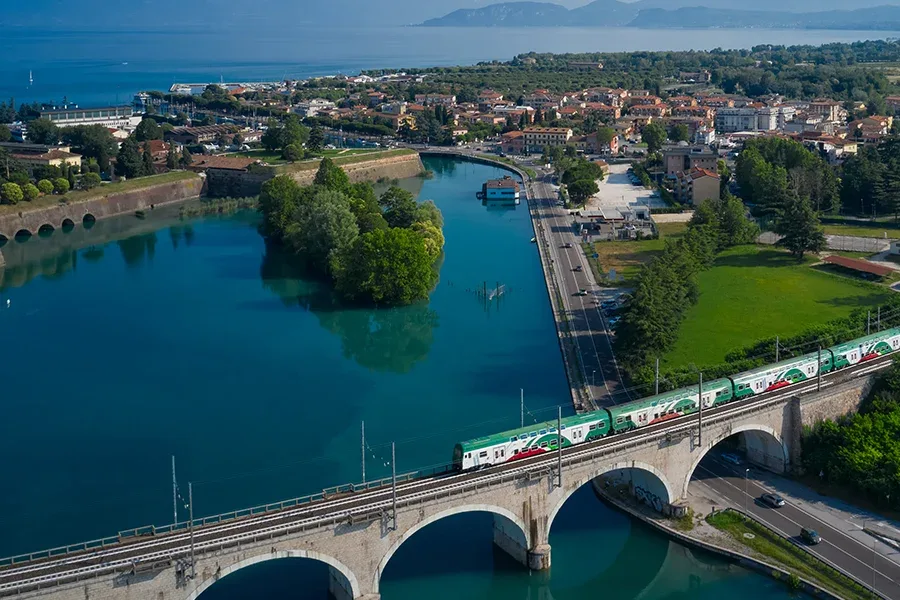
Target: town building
x: 684, y: 158
x: 605, y: 112
x: 541, y: 99
x: 829, y: 109
x: 536, y: 138
x: 120, y: 117
x: 442, y: 99
x: 513, y: 142
x: 50, y: 157
x: 695, y: 76
x: 586, y: 65
x: 313, y: 107
x: 204, y: 134
x: 695, y: 186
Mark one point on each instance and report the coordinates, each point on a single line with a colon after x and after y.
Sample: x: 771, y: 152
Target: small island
x: 380, y: 251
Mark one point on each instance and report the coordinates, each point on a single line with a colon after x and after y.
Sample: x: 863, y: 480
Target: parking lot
x: 618, y: 194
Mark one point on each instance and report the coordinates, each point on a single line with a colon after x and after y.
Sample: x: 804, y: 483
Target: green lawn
x: 755, y: 292
x: 105, y: 189
x: 868, y: 231
x: 345, y: 159
x: 275, y: 157
x: 628, y: 257
x: 790, y: 557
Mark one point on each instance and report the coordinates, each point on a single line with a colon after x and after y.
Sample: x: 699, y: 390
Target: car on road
x: 581, y: 293
x: 567, y: 245
x: 731, y: 458
x: 773, y: 500
x: 810, y: 536
x: 578, y: 268
x: 608, y: 304
x: 614, y: 322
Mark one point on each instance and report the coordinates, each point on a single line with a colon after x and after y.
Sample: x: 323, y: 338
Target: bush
x: 90, y: 181
x: 61, y: 186
x: 11, y: 193
x: 45, y: 186
x: 30, y: 192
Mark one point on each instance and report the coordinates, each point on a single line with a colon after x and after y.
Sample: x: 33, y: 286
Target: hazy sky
x: 284, y: 14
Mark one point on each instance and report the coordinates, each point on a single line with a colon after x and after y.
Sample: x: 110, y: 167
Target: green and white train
x: 540, y: 438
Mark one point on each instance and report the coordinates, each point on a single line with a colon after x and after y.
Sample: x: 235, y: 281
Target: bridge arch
x: 46, y: 229
x: 495, y: 510
x: 759, y: 438
x: 624, y: 465
x: 266, y: 556
x: 67, y: 224
x: 23, y: 235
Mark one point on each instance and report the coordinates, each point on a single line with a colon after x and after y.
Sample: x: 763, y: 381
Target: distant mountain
x: 650, y: 14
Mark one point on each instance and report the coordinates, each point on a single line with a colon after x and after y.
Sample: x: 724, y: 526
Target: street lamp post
x: 593, y: 377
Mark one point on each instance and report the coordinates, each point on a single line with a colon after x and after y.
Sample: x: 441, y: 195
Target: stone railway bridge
x: 357, y: 534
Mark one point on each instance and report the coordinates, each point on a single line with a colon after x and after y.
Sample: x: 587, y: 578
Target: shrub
x: 45, y: 186
x: 11, y: 193
x: 61, y: 185
x: 30, y: 192
x: 90, y: 181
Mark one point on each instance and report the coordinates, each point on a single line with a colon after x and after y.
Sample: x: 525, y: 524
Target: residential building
x: 683, y: 158
x: 199, y: 135
x: 489, y: 96
x: 609, y: 96
x: 397, y: 121
x: 703, y: 76
x: 536, y: 138
x: 717, y: 102
x: 730, y: 120
x: 704, y: 112
x: 313, y: 107
x: 442, y: 99
x: 54, y: 157
x: 541, y: 99
x: 695, y: 186
x: 120, y: 117
x: 682, y: 101
x: 644, y: 100
x: 513, y: 142
x: 586, y: 65
x: 603, y: 111
x: 829, y: 109
x: 649, y: 110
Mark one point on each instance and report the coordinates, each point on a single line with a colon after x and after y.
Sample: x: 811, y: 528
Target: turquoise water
x: 136, y: 340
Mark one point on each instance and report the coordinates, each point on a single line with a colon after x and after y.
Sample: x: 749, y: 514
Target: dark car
x: 773, y: 500
x: 608, y: 304
x: 810, y: 536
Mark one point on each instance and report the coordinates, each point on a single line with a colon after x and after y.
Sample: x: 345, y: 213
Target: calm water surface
x: 108, y: 66
x: 136, y: 340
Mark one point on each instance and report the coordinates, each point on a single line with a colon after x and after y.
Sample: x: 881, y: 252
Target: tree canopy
x: 799, y: 227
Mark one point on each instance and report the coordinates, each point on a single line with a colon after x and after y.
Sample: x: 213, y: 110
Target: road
x: 852, y: 555
x: 592, y: 338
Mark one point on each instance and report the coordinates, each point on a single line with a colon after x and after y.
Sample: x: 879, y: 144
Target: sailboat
x: 30, y: 79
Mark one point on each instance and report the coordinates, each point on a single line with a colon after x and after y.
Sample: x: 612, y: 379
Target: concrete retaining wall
x: 101, y: 207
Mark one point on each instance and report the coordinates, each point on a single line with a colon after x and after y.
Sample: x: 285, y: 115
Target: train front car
x: 668, y: 405
x: 866, y: 348
x: 781, y: 374
x: 536, y: 439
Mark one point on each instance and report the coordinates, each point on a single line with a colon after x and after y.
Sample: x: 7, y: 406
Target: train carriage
x: 779, y: 375
x: 530, y: 441
x: 668, y: 405
x: 866, y: 348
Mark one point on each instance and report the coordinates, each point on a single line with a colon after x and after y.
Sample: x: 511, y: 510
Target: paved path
x: 844, y: 544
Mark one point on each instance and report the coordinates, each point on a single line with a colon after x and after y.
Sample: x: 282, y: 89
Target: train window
x: 543, y: 431
x: 532, y: 434
x: 553, y: 430
x: 482, y: 454
x: 502, y: 452
x: 468, y: 455
x: 619, y: 420
x: 513, y: 439
x: 552, y: 442
x: 592, y: 427
x: 515, y: 452
x: 563, y: 427
x: 543, y: 444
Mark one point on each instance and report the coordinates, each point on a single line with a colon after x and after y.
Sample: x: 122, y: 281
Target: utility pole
x: 394, y: 482
x: 776, y: 348
x: 819, y: 372
x: 363, y: 451
x: 191, y: 506
x: 559, y: 446
x: 174, y: 492
x: 879, y: 318
x: 657, y: 377
x: 746, y: 493
x: 521, y: 407
x: 869, y: 323
x: 700, y: 413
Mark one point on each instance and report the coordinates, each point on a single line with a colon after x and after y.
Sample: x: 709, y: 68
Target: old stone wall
x: 838, y: 400
x: 101, y: 207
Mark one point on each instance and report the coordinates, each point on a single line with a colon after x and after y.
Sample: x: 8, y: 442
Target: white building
x: 114, y: 117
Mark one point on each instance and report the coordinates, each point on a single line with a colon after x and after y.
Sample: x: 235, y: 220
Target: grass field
x: 868, y: 231
x: 627, y: 257
x: 275, y: 157
x: 792, y: 558
x: 308, y: 165
x: 102, y: 190
x: 753, y: 292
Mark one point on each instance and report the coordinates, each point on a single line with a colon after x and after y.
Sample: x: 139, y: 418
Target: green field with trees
x: 755, y: 292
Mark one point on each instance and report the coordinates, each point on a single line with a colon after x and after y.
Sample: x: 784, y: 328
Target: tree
x: 272, y: 138
x: 432, y: 236
x: 43, y: 131
x: 186, y: 159
x: 90, y: 181
x: 387, y: 266
x: 680, y: 133
x: 316, y: 139
x: 332, y: 177
x: 654, y: 135
x: 399, y: 207
x: 799, y: 227
x: 294, y: 132
x: 292, y: 153
x: 582, y: 189
x: 11, y: 193
x: 429, y: 212
x: 92, y: 141
x: 70, y: 176
x: 45, y: 186
x: 278, y: 199
x: 128, y: 161
x: 5, y: 134
x: 61, y: 186
x: 147, y: 130
x: 605, y: 135
x: 172, y: 158
x: 322, y: 229
x: 30, y: 192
